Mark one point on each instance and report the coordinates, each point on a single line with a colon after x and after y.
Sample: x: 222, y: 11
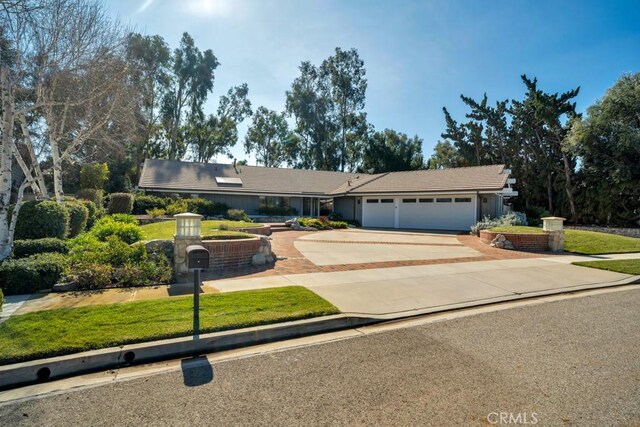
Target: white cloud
x: 145, y: 5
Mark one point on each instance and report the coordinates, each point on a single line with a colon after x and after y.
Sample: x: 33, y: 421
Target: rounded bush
x: 25, y: 248
x: 92, y: 212
x: 125, y: 231
x: 120, y: 203
x: 177, y: 207
x: 201, y: 206
x: 78, y: 216
x: 238, y: 215
x: 93, y: 195
x: 37, y: 220
x: 143, y: 203
x: 32, y: 274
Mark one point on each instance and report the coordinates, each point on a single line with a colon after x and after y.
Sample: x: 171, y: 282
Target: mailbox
x: 197, y: 257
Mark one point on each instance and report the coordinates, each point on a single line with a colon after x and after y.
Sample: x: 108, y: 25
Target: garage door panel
x: 379, y: 214
x: 438, y: 215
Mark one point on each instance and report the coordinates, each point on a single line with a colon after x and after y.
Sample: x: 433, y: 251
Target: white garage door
x: 438, y: 213
x: 378, y: 212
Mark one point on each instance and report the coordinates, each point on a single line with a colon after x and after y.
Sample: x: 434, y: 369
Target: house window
x: 426, y: 200
x: 386, y: 200
x: 372, y: 200
x: 408, y: 200
x: 274, y: 205
x: 443, y: 200
x: 463, y: 199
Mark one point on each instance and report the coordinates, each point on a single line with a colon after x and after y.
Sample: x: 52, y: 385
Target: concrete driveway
x: 402, y: 291
x: 340, y: 247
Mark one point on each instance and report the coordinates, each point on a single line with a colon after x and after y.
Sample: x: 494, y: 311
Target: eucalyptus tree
x: 191, y: 81
x: 348, y: 86
x: 390, y: 151
x: 267, y: 137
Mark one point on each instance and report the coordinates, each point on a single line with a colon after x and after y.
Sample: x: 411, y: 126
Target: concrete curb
x: 18, y: 374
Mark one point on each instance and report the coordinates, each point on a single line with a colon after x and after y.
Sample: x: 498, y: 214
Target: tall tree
x: 389, y: 151
x: 310, y: 103
x: 216, y: 134
x: 608, y: 143
x: 149, y: 60
x: 268, y: 136
x: 190, y: 83
x: 346, y: 73
x: 445, y: 155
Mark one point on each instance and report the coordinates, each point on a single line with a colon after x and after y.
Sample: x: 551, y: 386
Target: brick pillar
x: 180, y: 252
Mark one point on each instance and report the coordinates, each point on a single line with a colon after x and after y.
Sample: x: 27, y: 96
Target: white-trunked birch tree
x: 63, y: 68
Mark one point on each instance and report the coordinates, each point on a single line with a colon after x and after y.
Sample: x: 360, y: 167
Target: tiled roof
x: 194, y: 177
x: 201, y: 177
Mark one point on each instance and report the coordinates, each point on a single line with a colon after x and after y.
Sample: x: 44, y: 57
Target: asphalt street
x: 571, y: 362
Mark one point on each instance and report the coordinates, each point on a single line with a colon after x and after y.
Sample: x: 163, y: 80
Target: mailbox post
x: 197, y: 259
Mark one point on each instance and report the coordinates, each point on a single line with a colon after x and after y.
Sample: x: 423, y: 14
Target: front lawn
x: 626, y: 266
x: 64, y: 331
x: 593, y: 243
x: 584, y: 242
x: 166, y: 229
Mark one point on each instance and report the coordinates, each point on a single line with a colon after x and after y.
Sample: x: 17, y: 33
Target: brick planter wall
x: 231, y: 253
x: 522, y: 242
x: 263, y: 230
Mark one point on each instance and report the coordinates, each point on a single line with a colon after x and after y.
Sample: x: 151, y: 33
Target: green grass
x: 626, y: 266
x: 593, y: 243
x: 517, y: 229
x: 584, y: 242
x: 64, y: 331
x: 166, y: 229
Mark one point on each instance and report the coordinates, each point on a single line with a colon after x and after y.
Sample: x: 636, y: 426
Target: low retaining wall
x: 263, y: 230
x: 238, y: 253
x: 522, y: 242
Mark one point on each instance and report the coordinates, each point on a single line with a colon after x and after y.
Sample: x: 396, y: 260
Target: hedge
x: 32, y: 274
x: 25, y: 248
x: 120, y: 203
x: 37, y: 220
x: 143, y: 203
x: 78, y: 216
x: 92, y: 212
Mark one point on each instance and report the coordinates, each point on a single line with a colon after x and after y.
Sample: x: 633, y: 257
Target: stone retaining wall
x: 522, y: 242
x: 263, y: 230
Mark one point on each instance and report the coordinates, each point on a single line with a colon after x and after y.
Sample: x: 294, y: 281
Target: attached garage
x: 433, y: 212
x: 379, y: 212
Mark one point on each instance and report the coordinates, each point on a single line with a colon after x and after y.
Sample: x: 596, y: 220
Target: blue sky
x: 419, y: 55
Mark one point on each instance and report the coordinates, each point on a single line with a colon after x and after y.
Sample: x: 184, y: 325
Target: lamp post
x: 187, y: 233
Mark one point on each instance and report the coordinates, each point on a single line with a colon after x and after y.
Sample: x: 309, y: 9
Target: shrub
x: 512, y: 218
x: 91, y: 276
x: 338, y: 224
x: 238, y: 215
x: 25, y: 248
x: 534, y: 214
x: 93, y: 195
x: 125, y: 218
x: 94, y: 175
x: 155, y: 212
x: 276, y: 211
x: 201, y: 206
x: 177, y: 207
x: 78, y: 216
x: 143, y: 203
x: 108, y: 226
x: 220, y: 209
x: 37, y: 220
x: 92, y: 212
x: 315, y: 223
x: 223, y: 227
x: 120, y: 203
x: 32, y: 274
